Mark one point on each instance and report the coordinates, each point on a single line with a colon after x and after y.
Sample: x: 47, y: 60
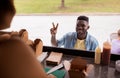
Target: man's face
x: 82, y: 27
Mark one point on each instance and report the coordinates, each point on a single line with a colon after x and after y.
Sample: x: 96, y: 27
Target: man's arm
x: 53, y: 34
x: 53, y: 40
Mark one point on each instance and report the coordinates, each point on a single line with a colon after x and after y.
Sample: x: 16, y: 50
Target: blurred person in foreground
x: 17, y: 59
x: 115, y: 48
x: 80, y: 39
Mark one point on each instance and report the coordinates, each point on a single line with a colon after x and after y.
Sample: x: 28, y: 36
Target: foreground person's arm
x: 53, y: 32
x: 17, y: 60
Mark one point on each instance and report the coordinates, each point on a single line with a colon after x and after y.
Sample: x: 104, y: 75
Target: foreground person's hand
x: 66, y: 65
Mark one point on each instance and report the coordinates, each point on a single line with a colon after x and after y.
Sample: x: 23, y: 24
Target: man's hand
x: 54, y: 29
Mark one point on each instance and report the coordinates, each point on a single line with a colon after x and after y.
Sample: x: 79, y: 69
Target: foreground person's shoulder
x: 18, y: 60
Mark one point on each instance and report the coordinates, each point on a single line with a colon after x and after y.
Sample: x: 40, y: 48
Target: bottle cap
x: 98, y: 49
x: 107, y: 45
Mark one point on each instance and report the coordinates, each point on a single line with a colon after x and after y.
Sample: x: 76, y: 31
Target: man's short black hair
x: 83, y: 18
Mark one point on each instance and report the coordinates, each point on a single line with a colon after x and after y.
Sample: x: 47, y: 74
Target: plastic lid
x: 107, y: 44
x: 98, y: 49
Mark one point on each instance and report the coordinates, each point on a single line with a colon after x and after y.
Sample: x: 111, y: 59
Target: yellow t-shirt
x: 80, y: 44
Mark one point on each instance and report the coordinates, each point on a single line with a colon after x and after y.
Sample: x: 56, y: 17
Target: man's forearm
x: 53, y: 40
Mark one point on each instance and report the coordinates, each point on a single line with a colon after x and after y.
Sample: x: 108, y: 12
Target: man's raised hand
x: 53, y: 30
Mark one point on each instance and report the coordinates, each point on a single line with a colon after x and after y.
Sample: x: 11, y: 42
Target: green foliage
x: 72, y: 6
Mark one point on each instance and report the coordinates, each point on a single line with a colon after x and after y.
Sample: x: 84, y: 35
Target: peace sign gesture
x: 54, y: 29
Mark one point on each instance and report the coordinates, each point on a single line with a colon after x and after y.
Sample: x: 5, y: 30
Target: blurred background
x: 67, y: 6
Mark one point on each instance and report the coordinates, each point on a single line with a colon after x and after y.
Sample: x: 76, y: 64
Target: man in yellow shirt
x: 80, y: 39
